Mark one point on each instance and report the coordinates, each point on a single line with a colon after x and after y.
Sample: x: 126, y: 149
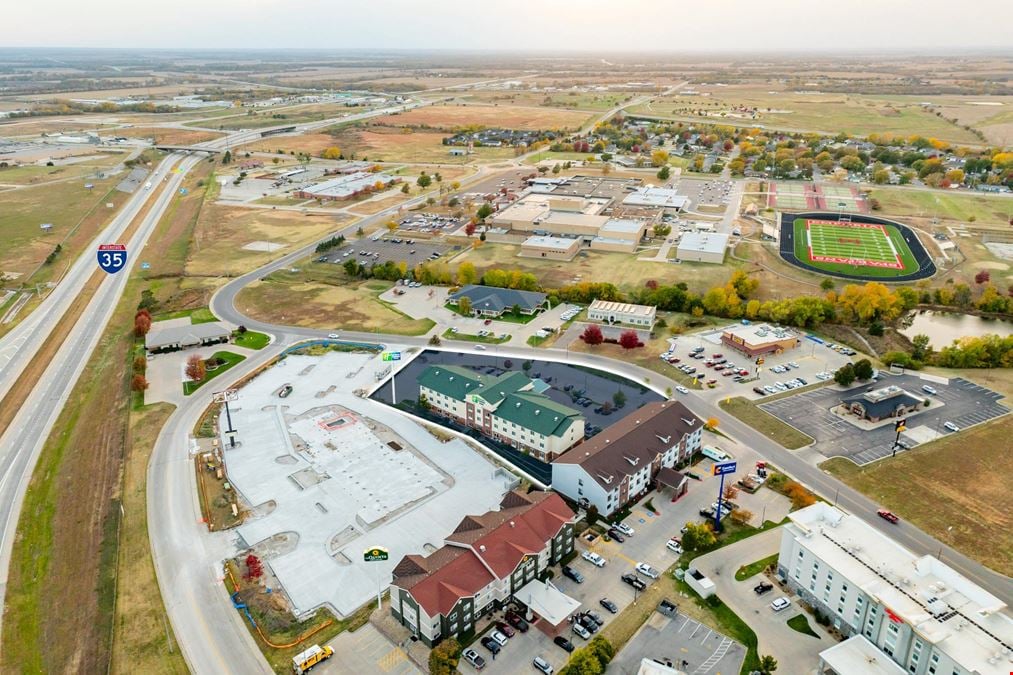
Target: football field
x: 862, y: 244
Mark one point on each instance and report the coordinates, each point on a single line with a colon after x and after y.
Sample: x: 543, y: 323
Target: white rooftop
x: 547, y: 601
x: 346, y: 186
x: 549, y: 242
x: 962, y: 619
x: 623, y: 225
x: 656, y: 196
x: 705, y: 242
x: 858, y: 656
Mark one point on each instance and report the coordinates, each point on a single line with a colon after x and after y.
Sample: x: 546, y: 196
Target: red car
x: 505, y: 628
x: 716, y: 356
x: 488, y: 321
x: 888, y: 515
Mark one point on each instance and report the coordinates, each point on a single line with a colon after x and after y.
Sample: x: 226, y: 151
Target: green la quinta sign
x: 375, y: 554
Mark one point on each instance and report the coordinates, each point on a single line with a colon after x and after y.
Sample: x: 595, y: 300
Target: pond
x: 945, y: 327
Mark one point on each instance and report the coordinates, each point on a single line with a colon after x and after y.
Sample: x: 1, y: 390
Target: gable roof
x: 453, y: 381
x: 884, y: 406
x: 538, y: 413
x: 192, y: 334
x: 498, y: 299
x: 625, y: 447
x: 482, y: 548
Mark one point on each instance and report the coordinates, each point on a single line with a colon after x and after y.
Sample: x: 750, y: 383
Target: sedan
x: 616, y: 535
x: 625, y: 529
x: 517, y: 621
x: 333, y: 336
x: 609, y: 605
x: 763, y: 587
x: 632, y: 580
x: 573, y: 574
x: 888, y: 515
x: 505, y: 628
x: 681, y: 389
x: 561, y: 641
x: 780, y: 603
x: 593, y: 558
x: 491, y: 645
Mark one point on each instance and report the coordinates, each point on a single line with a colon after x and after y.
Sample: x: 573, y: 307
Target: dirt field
x: 389, y: 144
x: 377, y: 205
x: 222, y: 231
x: 508, y: 117
x: 961, y: 484
x: 166, y: 135
x: 317, y: 305
x: 34, y: 127
x: 89, y: 165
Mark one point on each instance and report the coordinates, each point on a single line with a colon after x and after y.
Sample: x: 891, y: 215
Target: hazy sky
x: 586, y: 25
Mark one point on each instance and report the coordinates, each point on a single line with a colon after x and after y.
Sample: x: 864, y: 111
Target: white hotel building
x: 903, y: 613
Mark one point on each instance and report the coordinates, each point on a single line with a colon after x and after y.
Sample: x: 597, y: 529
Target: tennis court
x: 862, y: 244
x: 802, y: 196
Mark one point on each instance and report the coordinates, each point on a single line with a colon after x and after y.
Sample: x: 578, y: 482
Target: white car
x: 480, y: 348
x: 625, y: 529
x: 951, y: 427
x: 780, y: 603
x: 333, y: 336
x: 593, y: 558
x: 581, y: 631
x: 674, y: 546
x: 647, y: 570
x: 499, y: 637
x: 681, y: 389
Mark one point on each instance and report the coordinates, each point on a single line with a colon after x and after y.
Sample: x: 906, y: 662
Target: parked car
x: 759, y: 391
x: 490, y: 644
x: 616, y: 534
x: 542, y: 665
x: 580, y: 630
x: 505, y: 628
x: 593, y: 558
x: 929, y: 390
x: 763, y: 587
x: 594, y: 616
x: 780, y: 603
x: 647, y: 570
x: 625, y: 529
x: 473, y: 657
x: 573, y: 574
x: 674, y: 546
x: 609, y: 605
x: 888, y: 515
x: 951, y: 427
x: 681, y: 389
x: 561, y: 641
x: 333, y: 336
x: 517, y: 621
x: 588, y: 623
x: 499, y: 637
x: 632, y: 580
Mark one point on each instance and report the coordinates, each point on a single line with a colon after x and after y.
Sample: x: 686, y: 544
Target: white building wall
x: 571, y: 480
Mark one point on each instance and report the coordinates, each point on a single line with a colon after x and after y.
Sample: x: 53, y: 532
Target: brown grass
x: 377, y: 205
x: 167, y: 135
x: 961, y: 484
x: 509, y: 117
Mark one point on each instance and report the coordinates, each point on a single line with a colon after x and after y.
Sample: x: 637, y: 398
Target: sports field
x: 851, y: 247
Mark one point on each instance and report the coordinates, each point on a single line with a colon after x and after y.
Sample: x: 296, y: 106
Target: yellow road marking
x: 391, y: 659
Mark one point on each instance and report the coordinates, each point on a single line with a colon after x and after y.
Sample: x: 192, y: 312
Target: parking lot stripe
x: 682, y: 626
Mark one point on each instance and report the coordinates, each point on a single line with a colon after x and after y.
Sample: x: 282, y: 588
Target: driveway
x: 773, y: 634
x: 367, y: 650
x: 165, y: 371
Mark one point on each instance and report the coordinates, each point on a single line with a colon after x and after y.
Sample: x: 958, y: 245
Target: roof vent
x: 451, y: 378
x: 663, y: 439
x: 518, y: 404
x: 481, y: 547
x: 537, y: 411
x: 688, y: 423
x: 511, y: 523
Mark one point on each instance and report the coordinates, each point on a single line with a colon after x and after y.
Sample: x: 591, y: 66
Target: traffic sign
x: 375, y: 554
x: 391, y: 356
x: 722, y: 468
x: 112, y: 257
x: 145, y: 266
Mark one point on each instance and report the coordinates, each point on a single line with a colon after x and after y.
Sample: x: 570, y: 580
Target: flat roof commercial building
x: 663, y: 198
x: 488, y: 559
x: 758, y: 339
x: 624, y: 460
x: 550, y: 248
x: 346, y: 187
x: 708, y: 247
x: 622, y: 312
x: 916, y: 610
x: 505, y: 407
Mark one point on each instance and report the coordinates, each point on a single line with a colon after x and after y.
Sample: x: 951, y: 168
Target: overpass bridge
x: 186, y: 148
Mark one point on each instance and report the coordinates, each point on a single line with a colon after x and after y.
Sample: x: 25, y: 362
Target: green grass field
x: 852, y: 248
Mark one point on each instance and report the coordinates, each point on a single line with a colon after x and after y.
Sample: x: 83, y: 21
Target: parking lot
x: 687, y: 644
x: 396, y: 249
x: 514, y: 180
x: 964, y: 404
x: 429, y: 222
x: 704, y: 191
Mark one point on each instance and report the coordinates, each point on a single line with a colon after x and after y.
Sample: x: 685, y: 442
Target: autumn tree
x: 698, y: 537
x: 254, y: 568
x: 711, y: 424
x: 139, y: 383
x: 470, y: 228
x: 464, y: 305
x: 332, y: 152
x: 196, y: 369
x: 659, y: 158
x: 466, y: 274
x: 592, y: 335
x: 799, y: 496
x: 628, y: 339
x: 391, y: 225
x: 142, y: 323
x: 982, y: 277
x: 444, y: 657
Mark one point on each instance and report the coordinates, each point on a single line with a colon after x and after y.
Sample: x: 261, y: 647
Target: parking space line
x: 682, y: 626
x: 709, y: 632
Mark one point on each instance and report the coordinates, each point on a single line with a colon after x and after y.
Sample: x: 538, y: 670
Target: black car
x: 609, y: 605
x: 561, y: 641
x: 759, y: 391
x: 517, y: 621
x: 616, y: 535
x: 633, y: 580
x: 594, y: 616
x: 491, y: 645
x: 571, y: 573
x: 763, y: 587
x: 587, y: 622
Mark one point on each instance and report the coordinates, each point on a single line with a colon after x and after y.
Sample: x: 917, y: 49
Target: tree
x: 484, y: 211
x: 800, y: 497
x: 424, y: 181
x: 332, y: 152
x: 227, y: 157
x: 628, y: 339
x: 466, y: 274
x: 659, y: 158
x: 142, y: 323
x: 619, y: 399
x: 139, y: 383
x: 555, y: 168
x: 602, y: 649
x: 920, y: 345
x: 863, y: 369
x: 845, y: 375
x: 741, y: 516
x: 391, y: 225
x: 768, y: 664
x: 526, y: 366
x: 591, y: 515
x: 405, y: 188
x: 982, y: 277
x: 444, y: 657
x: 254, y: 568
x: 464, y: 305
x: 664, y: 173
x: 662, y: 230
x: 592, y: 335
x: 698, y: 537
x: 827, y: 284
x: 712, y: 423
x: 195, y: 368
x: 470, y: 228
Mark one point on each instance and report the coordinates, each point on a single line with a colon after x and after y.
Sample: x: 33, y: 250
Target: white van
x: 717, y: 454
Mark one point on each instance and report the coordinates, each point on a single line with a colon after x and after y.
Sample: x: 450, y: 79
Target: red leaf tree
x: 629, y: 340
x: 982, y: 277
x: 254, y: 568
x: 592, y: 335
x: 195, y: 368
x: 142, y: 323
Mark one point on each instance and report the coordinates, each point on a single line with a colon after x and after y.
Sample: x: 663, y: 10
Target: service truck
x: 303, y: 661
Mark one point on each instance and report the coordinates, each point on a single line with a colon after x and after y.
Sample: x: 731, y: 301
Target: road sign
x: 391, y: 356
x: 112, y: 257
x: 145, y: 266
x: 723, y: 468
x: 375, y: 554
x: 226, y: 395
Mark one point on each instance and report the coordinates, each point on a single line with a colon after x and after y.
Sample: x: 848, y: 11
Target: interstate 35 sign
x: 112, y: 257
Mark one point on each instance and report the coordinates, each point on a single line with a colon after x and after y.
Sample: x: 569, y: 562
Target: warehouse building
x: 488, y: 560
x: 642, y: 316
x: 666, y: 199
x: 628, y: 458
x: 707, y: 247
x: 550, y: 248
x: 915, y: 610
x: 756, y: 339
x: 346, y: 187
